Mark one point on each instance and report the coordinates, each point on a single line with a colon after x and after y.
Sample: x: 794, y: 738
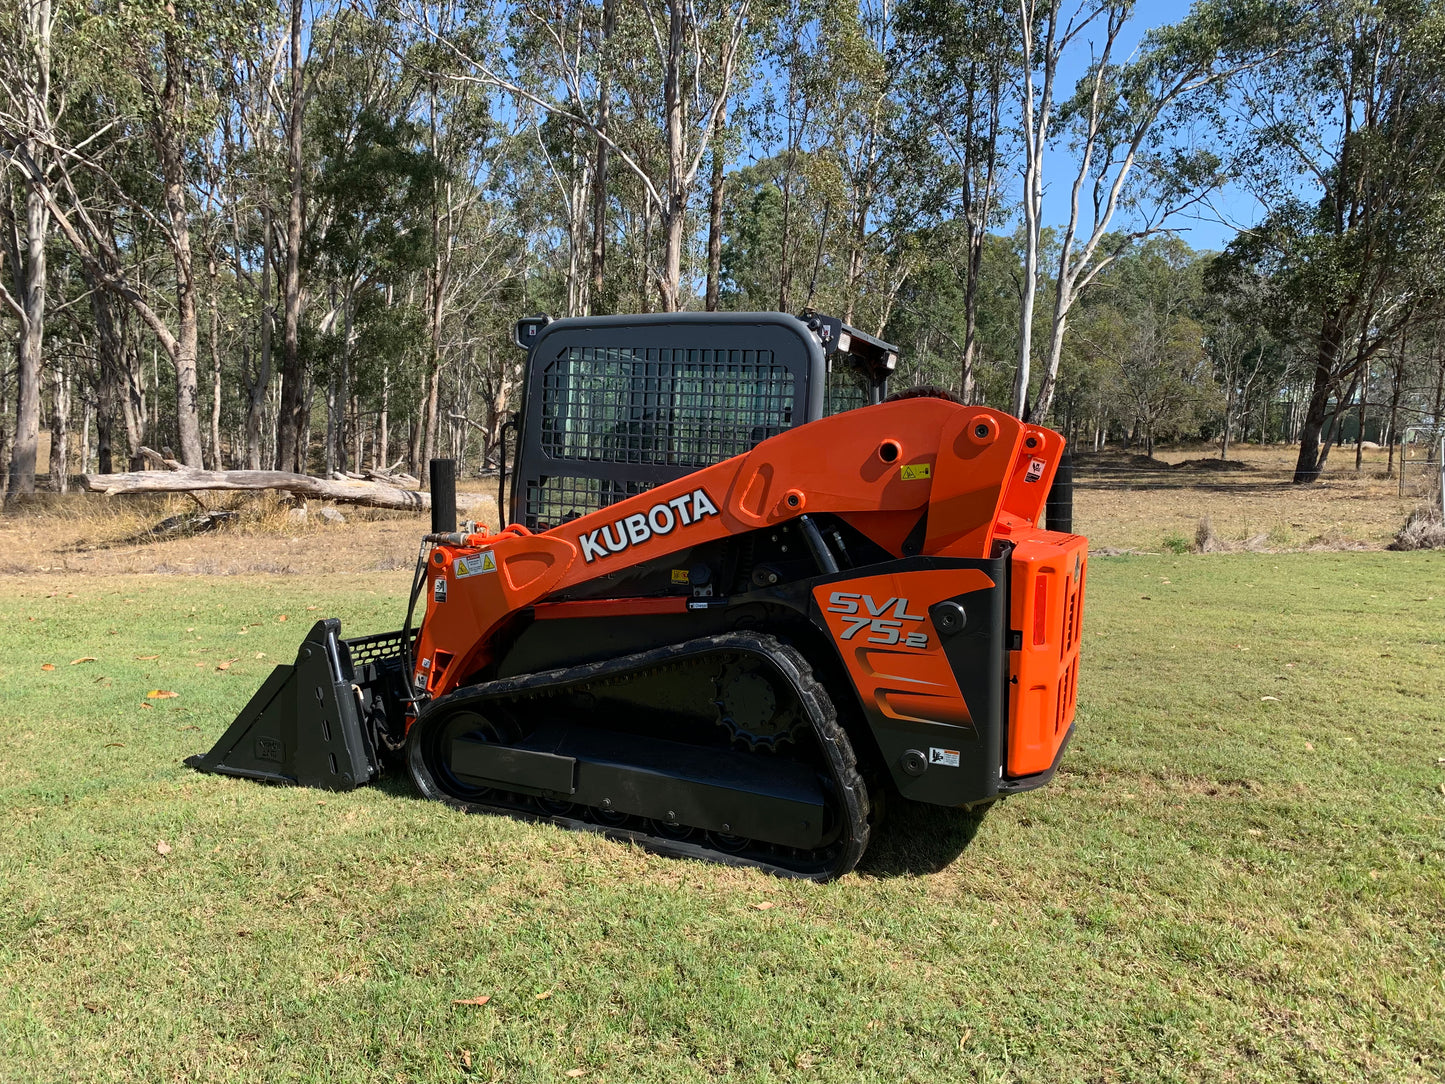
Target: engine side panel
x: 923, y: 647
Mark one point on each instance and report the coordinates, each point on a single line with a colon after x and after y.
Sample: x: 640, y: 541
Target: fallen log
x: 181, y: 479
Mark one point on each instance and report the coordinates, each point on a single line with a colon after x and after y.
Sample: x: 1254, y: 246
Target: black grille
x: 659, y: 406
x: 383, y: 645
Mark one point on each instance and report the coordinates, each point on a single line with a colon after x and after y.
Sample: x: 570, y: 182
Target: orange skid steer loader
x: 747, y: 595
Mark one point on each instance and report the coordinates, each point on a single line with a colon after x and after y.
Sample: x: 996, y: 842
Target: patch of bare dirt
x: 91, y: 534
x: 1214, y: 466
x: 1086, y: 462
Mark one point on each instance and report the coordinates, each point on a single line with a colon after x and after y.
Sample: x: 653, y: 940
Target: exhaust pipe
x: 1059, y: 511
x: 443, y: 496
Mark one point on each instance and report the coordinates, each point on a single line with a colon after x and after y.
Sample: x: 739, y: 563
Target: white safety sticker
x: 1035, y: 471
x: 439, y: 589
x: 946, y: 757
x: 476, y: 564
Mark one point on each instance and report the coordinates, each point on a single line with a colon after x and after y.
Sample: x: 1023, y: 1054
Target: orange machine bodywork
x: 980, y: 478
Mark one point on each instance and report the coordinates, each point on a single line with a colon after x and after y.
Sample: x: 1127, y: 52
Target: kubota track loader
x: 746, y: 595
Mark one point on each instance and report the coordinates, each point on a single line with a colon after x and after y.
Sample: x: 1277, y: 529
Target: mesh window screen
x: 649, y: 406
x: 670, y: 407
x: 559, y: 499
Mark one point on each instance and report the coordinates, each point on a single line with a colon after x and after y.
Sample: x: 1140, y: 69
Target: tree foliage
x: 258, y: 233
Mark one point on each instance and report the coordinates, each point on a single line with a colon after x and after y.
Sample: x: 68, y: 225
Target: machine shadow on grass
x: 915, y: 839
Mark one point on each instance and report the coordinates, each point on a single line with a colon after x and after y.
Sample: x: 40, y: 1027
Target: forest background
x: 298, y: 235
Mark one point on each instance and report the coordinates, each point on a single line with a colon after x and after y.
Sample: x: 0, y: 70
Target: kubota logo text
x: 638, y: 528
x: 881, y: 630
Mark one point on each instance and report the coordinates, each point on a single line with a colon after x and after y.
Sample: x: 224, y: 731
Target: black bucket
x: 307, y: 724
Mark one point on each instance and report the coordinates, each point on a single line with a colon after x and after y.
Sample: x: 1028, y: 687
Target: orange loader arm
x: 981, y: 478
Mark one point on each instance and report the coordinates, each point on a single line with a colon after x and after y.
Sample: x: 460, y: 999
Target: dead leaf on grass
x: 765, y: 905
x: 544, y: 995
x: 281, y: 617
x: 162, y: 847
x: 48, y: 666
x: 83, y: 658
x: 145, y: 705
x: 466, y: 1058
x: 161, y: 694
x: 965, y: 1037
x: 183, y: 729
x: 115, y: 745
x: 574, y: 1073
x: 480, y: 999
x: 1262, y: 699
x: 147, y: 658
x: 225, y: 664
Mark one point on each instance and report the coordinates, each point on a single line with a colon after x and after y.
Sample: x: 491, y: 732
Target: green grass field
x: 1239, y: 874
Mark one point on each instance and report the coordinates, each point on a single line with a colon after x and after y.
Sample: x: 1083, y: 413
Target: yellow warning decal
x: 679, y: 575
x: 477, y: 563
x: 910, y: 472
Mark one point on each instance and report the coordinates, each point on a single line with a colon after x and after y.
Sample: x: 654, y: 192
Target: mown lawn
x: 1238, y: 875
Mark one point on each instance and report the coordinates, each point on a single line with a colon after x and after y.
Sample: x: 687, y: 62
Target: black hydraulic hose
x: 816, y: 546
x: 502, y: 517
x: 418, y: 581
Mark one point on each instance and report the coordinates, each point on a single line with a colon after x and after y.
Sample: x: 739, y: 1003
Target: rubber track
x: 849, y: 789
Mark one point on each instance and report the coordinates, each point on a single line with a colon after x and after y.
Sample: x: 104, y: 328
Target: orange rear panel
x: 1047, y: 608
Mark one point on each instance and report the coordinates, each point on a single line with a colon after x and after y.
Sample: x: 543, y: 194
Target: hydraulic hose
x: 418, y: 581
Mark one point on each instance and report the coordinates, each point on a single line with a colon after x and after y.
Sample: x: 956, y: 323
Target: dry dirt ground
x: 1122, y: 502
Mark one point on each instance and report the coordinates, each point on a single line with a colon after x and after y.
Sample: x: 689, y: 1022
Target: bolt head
x: 913, y: 762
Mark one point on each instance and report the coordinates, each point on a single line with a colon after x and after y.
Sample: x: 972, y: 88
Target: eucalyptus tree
x: 965, y: 56
x: 1346, y: 147
x: 691, y: 51
x: 804, y: 52
x: 1160, y: 367
x: 776, y: 225
x: 25, y: 73
x: 1128, y: 125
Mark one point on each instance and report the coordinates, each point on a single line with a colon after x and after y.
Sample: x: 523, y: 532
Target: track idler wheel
x: 429, y: 751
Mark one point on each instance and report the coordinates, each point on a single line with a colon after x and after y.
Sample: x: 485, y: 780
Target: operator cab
x: 615, y: 405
